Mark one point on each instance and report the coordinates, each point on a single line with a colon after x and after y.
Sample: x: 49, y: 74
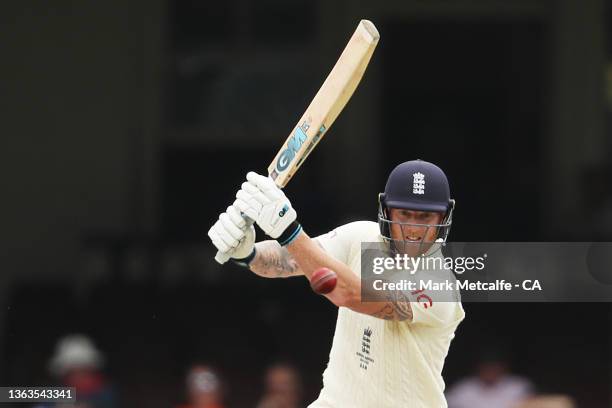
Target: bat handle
x: 223, y: 257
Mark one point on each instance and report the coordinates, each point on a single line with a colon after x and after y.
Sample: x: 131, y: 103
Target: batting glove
x: 261, y: 200
x: 233, y: 236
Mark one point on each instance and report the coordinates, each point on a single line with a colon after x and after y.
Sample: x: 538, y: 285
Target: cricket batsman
x: 384, y: 353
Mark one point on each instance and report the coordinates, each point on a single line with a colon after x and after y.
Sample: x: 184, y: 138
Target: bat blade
x: 327, y: 103
x: 324, y: 108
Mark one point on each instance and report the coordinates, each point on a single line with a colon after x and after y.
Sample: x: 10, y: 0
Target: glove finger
x: 251, y: 175
x: 246, y: 244
x: 222, y: 257
x: 246, y: 209
x: 224, y: 234
x: 217, y: 241
x: 244, y: 195
x: 266, y: 185
x: 250, y: 188
x: 262, y: 182
x: 272, y: 194
x: 221, y: 246
x: 256, y: 193
x: 230, y: 227
x: 241, y: 205
x: 236, y: 217
x: 238, y: 205
x: 249, y: 200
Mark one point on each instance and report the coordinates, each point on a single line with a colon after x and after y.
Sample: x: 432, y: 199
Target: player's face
x: 416, y: 226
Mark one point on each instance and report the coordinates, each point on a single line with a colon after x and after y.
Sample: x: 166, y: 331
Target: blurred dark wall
x: 81, y: 119
x: 473, y: 94
x: 81, y: 97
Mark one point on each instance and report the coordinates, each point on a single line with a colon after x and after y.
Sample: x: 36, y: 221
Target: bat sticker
x: 293, y: 145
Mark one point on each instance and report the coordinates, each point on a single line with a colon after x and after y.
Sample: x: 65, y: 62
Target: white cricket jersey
x: 376, y: 363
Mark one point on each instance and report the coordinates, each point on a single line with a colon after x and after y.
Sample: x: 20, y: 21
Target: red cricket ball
x: 323, y: 281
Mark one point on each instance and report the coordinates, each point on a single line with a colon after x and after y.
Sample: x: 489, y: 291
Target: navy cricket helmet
x: 420, y: 186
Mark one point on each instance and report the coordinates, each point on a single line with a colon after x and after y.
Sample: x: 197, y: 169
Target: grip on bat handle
x: 222, y: 257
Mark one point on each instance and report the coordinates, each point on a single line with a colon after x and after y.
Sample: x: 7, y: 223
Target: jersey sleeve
x: 435, y: 314
x: 340, y: 242
x: 335, y: 243
x: 436, y: 308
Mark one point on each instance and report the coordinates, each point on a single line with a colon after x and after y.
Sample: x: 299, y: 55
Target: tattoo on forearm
x: 272, y: 260
x: 397, y: 308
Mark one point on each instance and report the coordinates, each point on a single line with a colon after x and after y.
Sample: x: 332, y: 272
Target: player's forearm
x: 273, y: 261
x: 310, y: 256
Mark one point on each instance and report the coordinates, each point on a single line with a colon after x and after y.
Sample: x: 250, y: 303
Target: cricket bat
x: 327, y: 103
x: 325, y: 106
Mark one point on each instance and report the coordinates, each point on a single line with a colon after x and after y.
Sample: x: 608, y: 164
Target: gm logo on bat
x: 283, y: 211
x: 293, y: 145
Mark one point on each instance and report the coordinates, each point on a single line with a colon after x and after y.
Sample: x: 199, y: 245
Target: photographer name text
x: 452, y: 285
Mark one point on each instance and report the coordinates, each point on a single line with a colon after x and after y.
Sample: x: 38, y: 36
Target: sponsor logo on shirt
x: 364, y: 354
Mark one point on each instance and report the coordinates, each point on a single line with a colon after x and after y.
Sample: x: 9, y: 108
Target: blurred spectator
x: 492, y: 386
x: 548, y: 401
x: 204, y: 388
x: 77, y: 363
x: 283, y: 387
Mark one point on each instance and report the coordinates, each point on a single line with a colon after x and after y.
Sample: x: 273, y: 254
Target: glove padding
x: 261, y: 200
x: 232, y: 235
